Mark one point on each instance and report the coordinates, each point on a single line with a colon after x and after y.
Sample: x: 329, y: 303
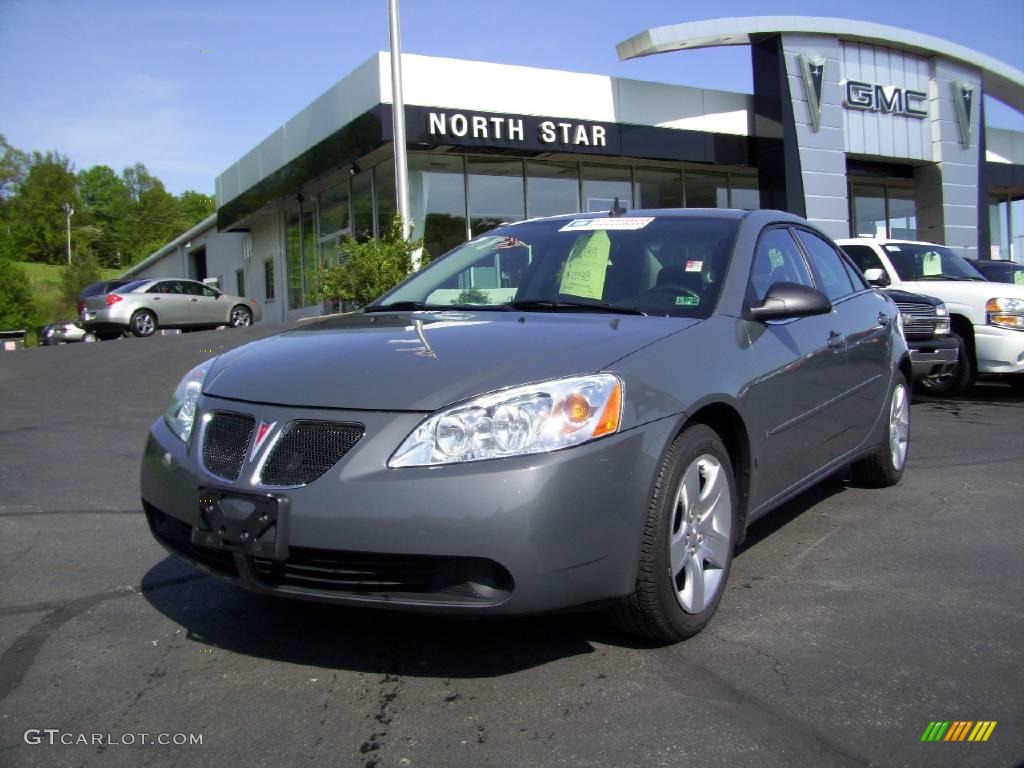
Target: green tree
x: 84, y: 269
x: 36, y: 217
x: 17, y: 308
x: 153, y: 219
x: 106, y: 207
x: 195, y: 206
x: 367, y: 269
x: 14, y: 165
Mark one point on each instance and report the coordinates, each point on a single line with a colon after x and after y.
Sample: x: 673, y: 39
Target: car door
x: 164, y: 298
x: 801, y: 366
x: 862, y: 317
x: 203, y: 306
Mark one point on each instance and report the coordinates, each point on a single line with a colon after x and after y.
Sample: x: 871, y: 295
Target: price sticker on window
x: 584, y: 271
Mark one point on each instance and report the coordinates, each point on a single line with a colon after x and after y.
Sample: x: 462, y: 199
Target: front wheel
x: 956, y: 381
x: 241, y: 317
x: 143, y: 323
x: 687, y: 545
x: 885, y: 467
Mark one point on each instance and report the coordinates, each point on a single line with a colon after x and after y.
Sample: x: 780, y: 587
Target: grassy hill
x: 45, y: 280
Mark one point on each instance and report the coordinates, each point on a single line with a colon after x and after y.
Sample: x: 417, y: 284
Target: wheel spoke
x: 689, y: 490
x: 714, y: 486
x: 678, y: 550
x: 714, y: 548
x: 692, y: 595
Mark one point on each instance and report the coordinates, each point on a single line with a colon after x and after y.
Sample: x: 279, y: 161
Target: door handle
x: 836, y: 341
x: 194, y: 299
x: 156, y: 298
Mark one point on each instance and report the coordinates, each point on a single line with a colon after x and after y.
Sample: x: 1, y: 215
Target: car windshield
x: 664, y: 265
x: 914, y: 261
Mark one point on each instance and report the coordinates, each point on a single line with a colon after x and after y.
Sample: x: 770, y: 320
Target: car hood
x: 421, y: 361
x: 966, y: 292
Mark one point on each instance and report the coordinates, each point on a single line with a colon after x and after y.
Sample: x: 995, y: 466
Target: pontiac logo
x: 963, y: 102
x: 262, y: 431
x: 813, y: 71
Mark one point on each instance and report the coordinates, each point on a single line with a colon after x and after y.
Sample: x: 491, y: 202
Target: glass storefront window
x: 301, y: 253
x: 602, y: 184
x: 868, y: 211
x: 902, y: 214
x: 362, y: 206
x: 744, y: 193
x: 656, y: 188
x: 495, y: 193
x: 384, y: 192
x: 334, y: 209
x: 999, y: 227
x: 437, y: 201
x: 552, y: 188
x: 1017, y: 230
x: 706, y: 190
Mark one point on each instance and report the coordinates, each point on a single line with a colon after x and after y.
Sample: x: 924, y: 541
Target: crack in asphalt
x: 19, y: 658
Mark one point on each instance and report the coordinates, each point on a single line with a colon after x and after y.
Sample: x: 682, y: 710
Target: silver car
x: 581, y: 410
x: 143, y: 306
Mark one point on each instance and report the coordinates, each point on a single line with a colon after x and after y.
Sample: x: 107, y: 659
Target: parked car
x: 1000, y: 271
x: 933, y: 353
x: 143, y: 306
x: 987, y: 319
x: 64, y: 333
x: 568, y: 411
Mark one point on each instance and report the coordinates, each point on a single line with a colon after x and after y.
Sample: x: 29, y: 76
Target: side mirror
x: 876, y: 276
x: 787, y: 300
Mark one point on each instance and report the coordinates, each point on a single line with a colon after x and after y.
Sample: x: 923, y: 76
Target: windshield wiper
x: 554, y: 305
x: 949, y: 277
x: 407, y: 306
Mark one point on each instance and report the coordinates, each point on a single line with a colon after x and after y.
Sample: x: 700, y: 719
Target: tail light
x: 113, y: 298
x: 81, y: 306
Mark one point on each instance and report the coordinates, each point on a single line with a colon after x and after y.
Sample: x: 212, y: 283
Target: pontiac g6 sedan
x: 580, y: 410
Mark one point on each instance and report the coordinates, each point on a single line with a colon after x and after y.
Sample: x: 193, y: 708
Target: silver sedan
x: 144, y: 306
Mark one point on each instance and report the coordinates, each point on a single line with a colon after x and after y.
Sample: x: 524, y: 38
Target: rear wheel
x: 109, y: 335
x: 89, y: 337
x: 143, y: 323
x: 885, y: 467
x: 241, y: 317
x: 687, y: 546
x: 959, y: 379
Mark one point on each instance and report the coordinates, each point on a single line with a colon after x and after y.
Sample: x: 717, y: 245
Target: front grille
x: 918, y: 319
x: 458, y: 579
x: 225, y: 441
x: 178, y: 536
x: 307, y: 449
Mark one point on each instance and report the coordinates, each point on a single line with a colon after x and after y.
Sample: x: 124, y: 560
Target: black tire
x: 143, y: 323
x: 109, y: 335
x: 241, y: 317
x: 885, y: 467
x: 90, y: 337
x: 961, y: 378
x: 655, y: 608
x: 1016, y: 381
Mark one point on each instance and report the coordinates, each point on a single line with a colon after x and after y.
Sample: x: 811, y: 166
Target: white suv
x: 987, y: 318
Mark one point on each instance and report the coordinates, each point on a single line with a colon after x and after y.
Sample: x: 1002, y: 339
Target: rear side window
x: 834, y: 281
x: 778, y: 260
x: 864, y: 257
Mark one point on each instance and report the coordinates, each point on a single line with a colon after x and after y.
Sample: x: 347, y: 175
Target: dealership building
x: 864, y: 129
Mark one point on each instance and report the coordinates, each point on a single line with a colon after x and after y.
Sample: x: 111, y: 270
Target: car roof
x: 673, y: 213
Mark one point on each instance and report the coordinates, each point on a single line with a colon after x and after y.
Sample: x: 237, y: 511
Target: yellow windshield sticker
x: 1018, y: 277
x: 687, y: 301
x: 776, y: 258
x: 584, y: 271
x: 931, y: 264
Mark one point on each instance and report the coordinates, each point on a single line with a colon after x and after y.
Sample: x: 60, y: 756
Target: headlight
x: 181, y: 413
x: 899, y: 325
x: 942, y: 323
x: 1006, y: 313
x: 535, y: 418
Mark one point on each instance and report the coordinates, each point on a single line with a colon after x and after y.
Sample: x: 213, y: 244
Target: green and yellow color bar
x: 958, y: 730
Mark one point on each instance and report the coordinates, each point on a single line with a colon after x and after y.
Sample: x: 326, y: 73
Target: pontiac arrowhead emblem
x: 262, y: 431
x: 812, y: 69
x: 963, y: 102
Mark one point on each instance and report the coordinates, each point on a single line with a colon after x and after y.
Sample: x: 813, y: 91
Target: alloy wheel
x: 899, y: 426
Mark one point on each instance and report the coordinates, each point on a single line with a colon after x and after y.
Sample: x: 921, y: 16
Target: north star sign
x: 461, y: 125
x: 885, y: 98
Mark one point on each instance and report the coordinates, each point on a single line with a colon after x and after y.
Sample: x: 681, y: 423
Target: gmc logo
x: 872, y: 97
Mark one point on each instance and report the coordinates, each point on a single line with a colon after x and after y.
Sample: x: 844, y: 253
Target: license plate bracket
x: 253, y: 524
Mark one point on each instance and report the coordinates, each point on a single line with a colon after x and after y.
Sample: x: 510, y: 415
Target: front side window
x: 658, y: 265
x: 832, y: 276
x: 778, y: 260
x: 864, y: 257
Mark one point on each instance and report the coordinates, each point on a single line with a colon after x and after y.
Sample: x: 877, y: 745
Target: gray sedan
x: 143, y: 306
x: 582, y: 410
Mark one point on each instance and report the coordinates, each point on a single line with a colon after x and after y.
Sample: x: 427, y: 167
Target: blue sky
x: 187, y: 87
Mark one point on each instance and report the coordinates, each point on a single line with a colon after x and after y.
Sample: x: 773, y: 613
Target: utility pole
x: 398, y: 123
x: 68, y: 213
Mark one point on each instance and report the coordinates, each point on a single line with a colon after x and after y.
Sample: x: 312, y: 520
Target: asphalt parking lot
x: 852, y: 618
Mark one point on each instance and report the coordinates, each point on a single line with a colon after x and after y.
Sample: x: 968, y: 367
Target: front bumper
x: 507, y: 536
x: 999, y: 350
x: 933, y: 357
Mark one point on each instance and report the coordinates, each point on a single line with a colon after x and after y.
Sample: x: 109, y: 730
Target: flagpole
x: 398, y: 123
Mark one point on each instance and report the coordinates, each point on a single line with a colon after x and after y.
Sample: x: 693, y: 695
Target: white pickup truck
x: 986, y: 318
